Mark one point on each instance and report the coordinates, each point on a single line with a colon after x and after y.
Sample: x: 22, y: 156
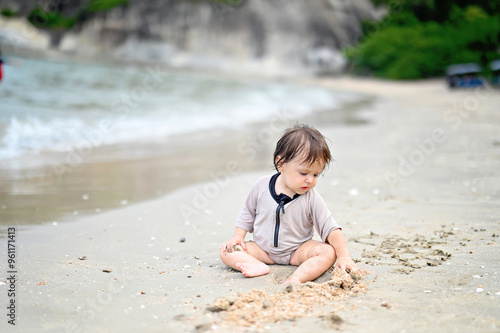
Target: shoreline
x: 428, y: 234
x: 47, y: 188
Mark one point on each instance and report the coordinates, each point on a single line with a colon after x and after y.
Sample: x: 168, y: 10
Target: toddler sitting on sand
x: 281, y: 211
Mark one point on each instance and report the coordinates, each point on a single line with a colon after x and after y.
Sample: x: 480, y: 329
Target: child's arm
x: 337, y: 240
x: 238, y: 239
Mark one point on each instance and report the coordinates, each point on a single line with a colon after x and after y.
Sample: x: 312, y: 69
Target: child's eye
x: 303, y: 174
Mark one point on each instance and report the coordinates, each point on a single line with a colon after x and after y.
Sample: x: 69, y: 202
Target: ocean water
x: 79, y: 139
x: 48, y: 106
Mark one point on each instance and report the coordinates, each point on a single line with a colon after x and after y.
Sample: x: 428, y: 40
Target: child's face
x: 298, y: 176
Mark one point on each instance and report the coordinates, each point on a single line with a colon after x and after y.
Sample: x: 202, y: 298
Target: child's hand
x: 231, y: 245
x: 346, y: 263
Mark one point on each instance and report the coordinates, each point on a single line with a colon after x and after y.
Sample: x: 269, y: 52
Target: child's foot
x: 291, y: 280
x: 253, y: 269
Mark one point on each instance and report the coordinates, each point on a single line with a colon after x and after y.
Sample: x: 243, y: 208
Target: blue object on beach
x: 464, y: 75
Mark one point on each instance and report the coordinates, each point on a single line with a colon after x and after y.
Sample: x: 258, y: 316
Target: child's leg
x: 313, y: 258
x: 251, y: 262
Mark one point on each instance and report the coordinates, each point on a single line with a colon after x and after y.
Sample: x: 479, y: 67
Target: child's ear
x: 279, y: 165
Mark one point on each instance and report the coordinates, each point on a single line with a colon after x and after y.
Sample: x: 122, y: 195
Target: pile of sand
x: 405, y: 254
x: 301, y: 300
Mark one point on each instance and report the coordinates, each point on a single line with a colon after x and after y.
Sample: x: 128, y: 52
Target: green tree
x: 422, y: 37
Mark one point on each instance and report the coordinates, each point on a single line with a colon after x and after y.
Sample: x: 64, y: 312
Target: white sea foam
x: 68, y: 103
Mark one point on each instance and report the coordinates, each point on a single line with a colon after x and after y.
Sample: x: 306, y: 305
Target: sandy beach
x: 416, y: 190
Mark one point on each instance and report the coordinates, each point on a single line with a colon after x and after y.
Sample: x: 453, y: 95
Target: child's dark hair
x: 303, y: 141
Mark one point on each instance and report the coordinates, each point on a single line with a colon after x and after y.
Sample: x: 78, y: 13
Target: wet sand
x: 62, y: 187
x: 416, y: 191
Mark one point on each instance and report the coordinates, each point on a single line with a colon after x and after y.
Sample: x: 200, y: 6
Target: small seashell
x: 353, y: 192
x: 386, y: 305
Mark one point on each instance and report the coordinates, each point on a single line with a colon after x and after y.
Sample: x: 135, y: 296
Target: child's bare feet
x: 253, y: 269
x: 291, y: 280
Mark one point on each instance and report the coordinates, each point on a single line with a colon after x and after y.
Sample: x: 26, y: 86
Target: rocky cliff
x: 277, y: 36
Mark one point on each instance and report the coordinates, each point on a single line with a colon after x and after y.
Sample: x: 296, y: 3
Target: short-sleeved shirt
x: 281, y: 224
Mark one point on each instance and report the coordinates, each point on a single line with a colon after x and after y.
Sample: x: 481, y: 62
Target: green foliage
x: 437, y: 10
x: 50, y: 20
x: 405, y: 47
x: 7, y: 12
x: 53, y: 20
x: 104, y: 5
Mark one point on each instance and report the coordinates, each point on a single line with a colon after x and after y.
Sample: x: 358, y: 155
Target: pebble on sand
x: 385, y: 304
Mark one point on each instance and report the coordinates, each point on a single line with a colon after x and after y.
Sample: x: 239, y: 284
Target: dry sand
x: 417, y: 194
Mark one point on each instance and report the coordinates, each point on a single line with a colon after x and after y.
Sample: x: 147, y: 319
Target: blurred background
x: 397, y: 39
x: 108, y: 102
